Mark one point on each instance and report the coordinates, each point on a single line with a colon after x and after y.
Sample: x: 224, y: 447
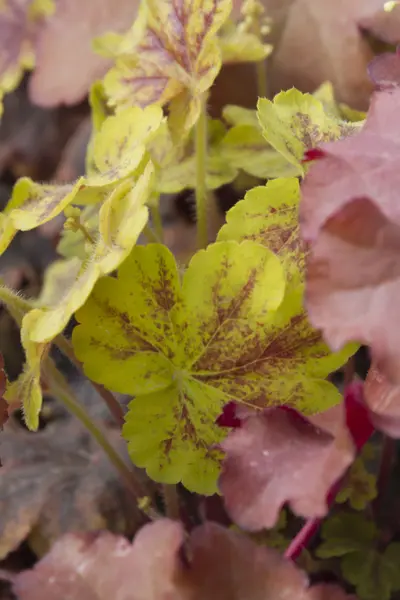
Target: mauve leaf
x: 383, y: 400
x: 384, y: 25
x: 384, y: 70
x: 66, y: 62
x: 220, y: 564
x: 271, y: 456
x: 350, y: 213
x: 320, y: 40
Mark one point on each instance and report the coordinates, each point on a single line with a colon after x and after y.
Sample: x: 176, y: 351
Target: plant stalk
x: 59, y: 387
x: 261, y: 73
x: 171, y: 501
x: 112, y: 403
x: 201, y: 172
x: 150, y: 235
x: 156, y: 219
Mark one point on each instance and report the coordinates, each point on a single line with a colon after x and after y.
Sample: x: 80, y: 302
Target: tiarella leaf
x: 170, y: 52
x: 120, y: 145
x: 296, y: 122
x: 32, y: 205
x: 170, y: 345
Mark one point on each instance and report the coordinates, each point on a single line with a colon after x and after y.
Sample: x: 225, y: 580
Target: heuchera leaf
x: 349, y: 212
x: 344, y: 533
x: 121, y: 220
x: 383, y: 401
x: 272, y: 454
x: 120, y: 144
x: 67, y: 40
x: 269, y: 215
x: 171, y: 52
x: 319, y: 41
x: 32, y: 205
x: 374, y: 575
x: 294, y: 123
x: 20, y: 23
x: 384, y: 24
x: 384, y: 70
x: 182, y: 351
x: 223, y: 564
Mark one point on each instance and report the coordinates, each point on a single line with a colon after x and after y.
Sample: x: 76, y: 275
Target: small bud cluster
x: 254, y: 19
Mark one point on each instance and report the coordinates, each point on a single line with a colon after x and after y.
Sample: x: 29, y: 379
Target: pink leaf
x: 276, y: 457
x: 351, y: 215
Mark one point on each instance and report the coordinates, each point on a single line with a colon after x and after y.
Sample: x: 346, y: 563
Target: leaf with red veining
x: 277, y: 456
x: 383, y: 401
x: 170, y: 54
x: 350, y: 213
x: 320, y: 40
x: 67, y: 65
x: 220, y: 564
x: 384, y: 70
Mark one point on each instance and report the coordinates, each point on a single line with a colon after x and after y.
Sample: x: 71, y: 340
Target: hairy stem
x: 201, y: 170
x: 59, y: 387
x: 15, y: 304
x: 113, y: 405
x: 171, y: 501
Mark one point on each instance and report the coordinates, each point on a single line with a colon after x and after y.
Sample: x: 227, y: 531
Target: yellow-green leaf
x: 294, y: 361
x: 295, y: 122
x: 33, y: 204
x: 120, y: 145
x: 171, y: 50
x: 239, y: 45
x: 146, y: 334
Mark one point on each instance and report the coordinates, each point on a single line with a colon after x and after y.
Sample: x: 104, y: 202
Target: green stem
x: 201, y: 171
x: 156, y: 218
x: 150, y: 235
x: 59, y: 387
x: 112, y: 403
x: 261, y: 72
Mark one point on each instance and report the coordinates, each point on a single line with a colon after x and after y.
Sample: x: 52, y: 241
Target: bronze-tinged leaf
x: 350, y: 214
x: 320, y: 40
x: 271, y: 456
x: 383, y: 400
x: 55, y: 481
x: 221, y: 564
x: 67, y: 65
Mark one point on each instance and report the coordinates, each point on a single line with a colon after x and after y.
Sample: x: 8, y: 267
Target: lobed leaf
x: 294, y: 123
x: 179, y: 342
x: 349, y: 213
x: 121, y: 220
x: 170, y: 53
x: 223, y: 564
x: 272, y: 454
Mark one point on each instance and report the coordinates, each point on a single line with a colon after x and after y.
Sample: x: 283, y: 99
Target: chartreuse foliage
x: 234, y: 330
x: 122, y: 217
x: 353, y: 538
x: 295, y: 122
x: 180, y: 349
